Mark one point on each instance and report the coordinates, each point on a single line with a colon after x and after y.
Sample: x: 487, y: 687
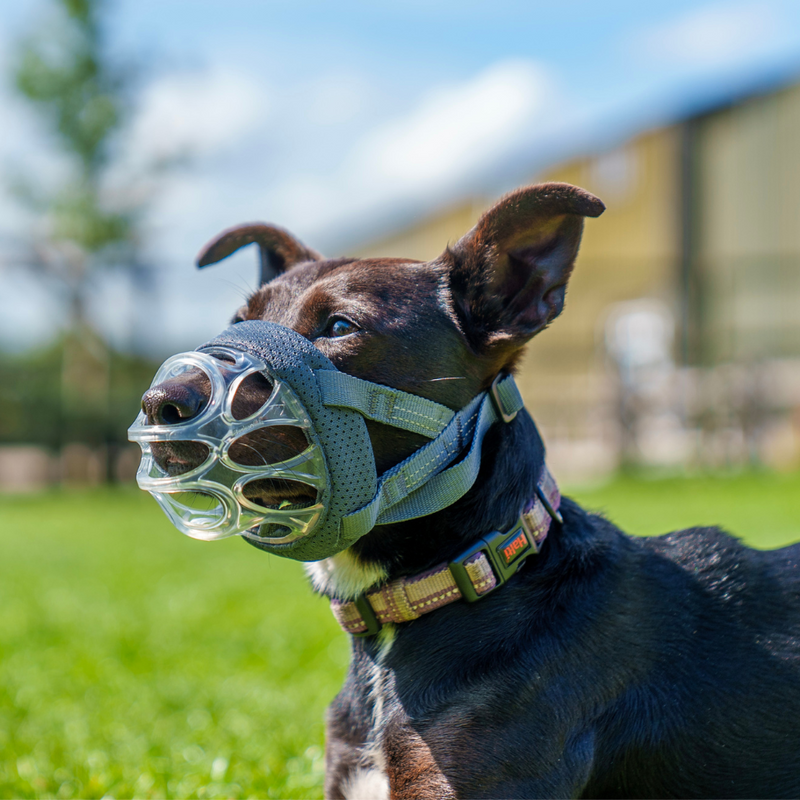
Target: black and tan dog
x: 610, y: 666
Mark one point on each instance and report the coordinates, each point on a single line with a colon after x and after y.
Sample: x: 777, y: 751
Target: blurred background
x: 134, y: 131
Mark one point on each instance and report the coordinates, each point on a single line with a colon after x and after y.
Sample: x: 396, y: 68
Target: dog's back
x: 715, y: 710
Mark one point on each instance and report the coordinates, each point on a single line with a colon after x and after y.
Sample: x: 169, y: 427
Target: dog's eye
x: 339, y: 326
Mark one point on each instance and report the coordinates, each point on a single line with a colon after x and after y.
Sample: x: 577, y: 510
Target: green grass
x: 136, y: 662
x: 762, y: 509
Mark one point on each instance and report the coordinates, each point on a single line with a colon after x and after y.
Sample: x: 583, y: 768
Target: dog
x: 610, y: 666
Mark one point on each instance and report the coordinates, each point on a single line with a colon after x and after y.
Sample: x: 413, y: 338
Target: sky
x: 343, y: 120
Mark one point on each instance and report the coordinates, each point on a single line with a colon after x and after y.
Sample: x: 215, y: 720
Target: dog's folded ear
x: 508, y: 275
x: 280, y: 251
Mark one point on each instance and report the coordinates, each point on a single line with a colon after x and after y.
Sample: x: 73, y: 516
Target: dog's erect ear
x: 280, y: 251
x: 509, y: 274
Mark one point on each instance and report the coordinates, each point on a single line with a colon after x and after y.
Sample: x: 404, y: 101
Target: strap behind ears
x: 422, y: 484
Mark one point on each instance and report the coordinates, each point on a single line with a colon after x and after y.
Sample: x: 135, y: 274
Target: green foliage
x: 34, y: 410
x: 30, y: 398
x: 78, y: 216
x: 136, y: 662
x: 73, y: 79
x: 67, y: 74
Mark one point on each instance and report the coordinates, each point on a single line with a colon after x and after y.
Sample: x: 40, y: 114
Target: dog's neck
x: 511, y: 464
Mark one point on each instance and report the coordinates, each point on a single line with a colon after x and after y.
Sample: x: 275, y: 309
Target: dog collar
x: 480, y: 569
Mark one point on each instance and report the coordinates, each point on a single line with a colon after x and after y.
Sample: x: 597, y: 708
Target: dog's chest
x: 394, y: 757
x: 370, y: 779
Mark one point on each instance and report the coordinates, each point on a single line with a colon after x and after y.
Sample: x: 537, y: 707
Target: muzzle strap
x: 452, y: 483
x: 422, y: 484
x: 382, y: 404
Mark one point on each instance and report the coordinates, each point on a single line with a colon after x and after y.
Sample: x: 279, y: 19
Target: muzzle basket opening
x: 236, y: 490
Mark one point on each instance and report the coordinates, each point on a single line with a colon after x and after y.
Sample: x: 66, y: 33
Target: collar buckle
x: 368, y: 615
x: 505, y: 551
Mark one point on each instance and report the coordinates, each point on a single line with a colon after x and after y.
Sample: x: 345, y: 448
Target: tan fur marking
x: 412, y: 769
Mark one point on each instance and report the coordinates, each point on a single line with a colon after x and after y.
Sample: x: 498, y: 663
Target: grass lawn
x: 137, y: 662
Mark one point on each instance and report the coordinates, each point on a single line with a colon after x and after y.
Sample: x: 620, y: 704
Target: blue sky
x: 336, y: 118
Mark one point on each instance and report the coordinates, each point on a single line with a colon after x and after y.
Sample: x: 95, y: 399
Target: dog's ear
x: 280, y: 251
x: 508, y: 275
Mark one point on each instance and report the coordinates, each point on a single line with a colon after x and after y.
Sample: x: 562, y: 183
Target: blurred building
x: 680, y: 342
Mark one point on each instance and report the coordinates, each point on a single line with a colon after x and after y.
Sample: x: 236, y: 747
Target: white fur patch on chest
x: 344, y: 575
x: 366, y: 784
x: 369, y: 781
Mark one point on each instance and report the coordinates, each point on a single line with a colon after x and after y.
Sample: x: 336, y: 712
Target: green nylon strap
x: 509, y: 394
x: 422, y: 484
x: 383, y: 404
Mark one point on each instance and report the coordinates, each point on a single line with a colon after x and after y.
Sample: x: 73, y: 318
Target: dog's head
x: 441, y: 330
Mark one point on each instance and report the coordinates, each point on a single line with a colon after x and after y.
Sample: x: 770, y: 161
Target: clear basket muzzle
x: 208, y: 501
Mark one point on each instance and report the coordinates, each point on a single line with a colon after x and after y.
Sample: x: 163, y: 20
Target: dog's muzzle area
x: 182, y: 398
x: 226, y: 449
x: 258, y: 433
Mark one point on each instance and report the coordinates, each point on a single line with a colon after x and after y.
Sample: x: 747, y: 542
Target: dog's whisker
x: 434, y: 380
x: 245, y: 292
x: 272, y: 440
x: 266, y: 439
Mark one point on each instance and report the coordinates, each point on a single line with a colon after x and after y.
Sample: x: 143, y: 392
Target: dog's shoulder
x: 711, y: 553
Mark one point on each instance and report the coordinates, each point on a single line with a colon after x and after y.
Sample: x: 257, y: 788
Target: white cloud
x: 335, y: 98
x: 713, y: 35
x: 300, y: 175
x: 196, y: 114
x: 343, y: 154
x: 455, y: 129
x: 455, y: 133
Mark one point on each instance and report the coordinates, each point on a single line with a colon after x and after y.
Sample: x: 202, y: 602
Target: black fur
x: 610, y: 666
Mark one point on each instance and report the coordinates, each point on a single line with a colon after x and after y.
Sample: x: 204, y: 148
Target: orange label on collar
x: 511, y: 549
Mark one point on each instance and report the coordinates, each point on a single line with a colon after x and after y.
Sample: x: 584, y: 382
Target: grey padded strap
x: 422, y: 484
x: 383, y: 404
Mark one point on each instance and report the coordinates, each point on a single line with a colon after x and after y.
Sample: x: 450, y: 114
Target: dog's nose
x: 172, y: 402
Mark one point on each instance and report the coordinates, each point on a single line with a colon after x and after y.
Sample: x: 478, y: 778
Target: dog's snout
x: 177, y: 400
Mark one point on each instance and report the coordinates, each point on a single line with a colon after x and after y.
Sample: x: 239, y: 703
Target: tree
x: 82, y: 94
x: 67, y: 73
